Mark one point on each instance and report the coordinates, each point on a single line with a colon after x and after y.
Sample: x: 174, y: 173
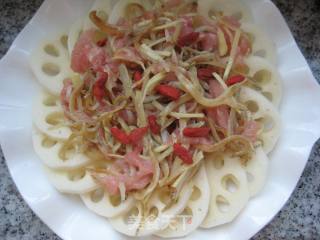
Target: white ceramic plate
x: 66, y: 215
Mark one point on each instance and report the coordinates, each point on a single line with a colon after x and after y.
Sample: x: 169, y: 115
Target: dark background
x: 299, y: 218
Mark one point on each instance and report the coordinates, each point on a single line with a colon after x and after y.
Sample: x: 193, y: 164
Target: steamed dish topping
x: 158, y: 108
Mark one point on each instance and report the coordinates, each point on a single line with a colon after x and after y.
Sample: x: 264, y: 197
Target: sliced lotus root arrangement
x: 223, y: 184
x: 49, y: 151
x: 158, y: 215
x: 75, y: 182
x: 47, y: 115
x: 106, y: 205
x: 194, y: 212
x: 234, y: 8
x: 120, y: 8
x: 264, y: 78
x: 103, y: 9
x: 256, y: 170
x: 51, y: 65
x: 262, y: 46
x: 263, y: 111
x: 129, y: 222
x: 229, y: 189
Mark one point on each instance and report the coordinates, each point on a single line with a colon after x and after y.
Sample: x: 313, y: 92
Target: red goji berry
x: 137, y: 134
x: 234, y: 79
x: 182, y: 153
x: 196, y: 132
x: 137, y: 76
x: 188, y: 39
x: 205, y: 73
x: 102, y: 42
x: 154, y: 126
x: 168, y: 91
x: 120, y: 135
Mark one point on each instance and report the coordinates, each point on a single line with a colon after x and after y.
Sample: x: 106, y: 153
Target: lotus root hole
x: 131, y: 217
x: 164, y: 195
x: 187, y: 212
x: 54, y: 118
x: 260, y: 142
x: 262, y: 76
x: 77, y: 175
x: 153, y: 214
x: 252, y: 106
x: 50, y: 101
x: 268, y: 95
x: 115, y: 200
x: 260, y: 53
x: 267, y: 123
x: 97, y: 195
x: 230, y: 183
x: 51, y: 50
x: 64, y: 41
x: 237, y: 15
x: 48, y: 142
x: 218, y: 161
x: 51, y: 69
x: 196, y: 193
x: 222, y: 204
x: 243, y: 68
x: 68, y: 153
